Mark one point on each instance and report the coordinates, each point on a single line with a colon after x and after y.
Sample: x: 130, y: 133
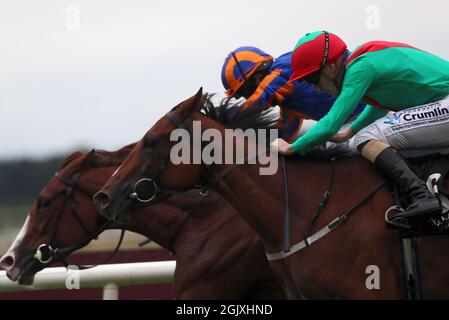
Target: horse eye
x: 44, y: 204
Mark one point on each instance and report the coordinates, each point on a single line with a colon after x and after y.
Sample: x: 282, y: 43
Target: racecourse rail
x: 108, y: 276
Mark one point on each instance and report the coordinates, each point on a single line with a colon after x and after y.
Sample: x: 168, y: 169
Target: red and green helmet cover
x: 309, y: 53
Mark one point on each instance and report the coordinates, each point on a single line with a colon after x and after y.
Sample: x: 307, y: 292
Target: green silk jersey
x: 389, y: 76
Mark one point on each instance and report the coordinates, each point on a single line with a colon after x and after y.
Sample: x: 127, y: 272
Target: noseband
x: 46, y: 253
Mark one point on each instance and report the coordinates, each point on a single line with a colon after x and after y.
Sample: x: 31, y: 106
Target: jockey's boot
x: 423, y: 204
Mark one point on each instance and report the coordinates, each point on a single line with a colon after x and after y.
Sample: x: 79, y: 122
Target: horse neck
x: 242, y: 190
x: 261, y: 199
x: 163, y: 222
x: 168, y: 221
x: 243, y: 149
x: 92, y: 179
x: 238, y: 187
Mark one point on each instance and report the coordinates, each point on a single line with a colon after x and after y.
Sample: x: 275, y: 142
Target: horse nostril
x: 101, y: 200
x: 7, y: 262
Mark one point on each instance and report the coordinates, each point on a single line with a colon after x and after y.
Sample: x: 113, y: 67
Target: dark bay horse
x: 338, y: 265
x: 210, y: 259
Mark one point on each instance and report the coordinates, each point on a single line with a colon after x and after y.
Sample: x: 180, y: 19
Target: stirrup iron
x: 399, y: 222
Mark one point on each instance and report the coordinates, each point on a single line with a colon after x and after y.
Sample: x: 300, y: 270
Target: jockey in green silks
x: 390, y: 76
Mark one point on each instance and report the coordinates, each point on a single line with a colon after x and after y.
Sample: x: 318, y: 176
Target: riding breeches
x: 425, y: 126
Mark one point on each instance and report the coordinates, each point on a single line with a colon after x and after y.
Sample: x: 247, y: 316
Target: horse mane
x: 232, y: 114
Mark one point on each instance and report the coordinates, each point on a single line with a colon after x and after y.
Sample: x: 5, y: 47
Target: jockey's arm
x: 357, y: 80
x: 368, y: 116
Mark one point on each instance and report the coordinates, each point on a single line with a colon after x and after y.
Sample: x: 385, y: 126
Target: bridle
x: 152, y: 184
x: 203, y: 189
x: 47, y: 253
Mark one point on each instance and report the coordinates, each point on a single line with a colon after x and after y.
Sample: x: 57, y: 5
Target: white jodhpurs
x: 421, y: 127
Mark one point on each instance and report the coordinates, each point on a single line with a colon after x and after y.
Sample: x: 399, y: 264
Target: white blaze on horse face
x: 16, y: 243
x: 19, y: 238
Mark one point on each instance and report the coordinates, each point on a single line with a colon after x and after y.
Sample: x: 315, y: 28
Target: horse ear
x: 200, y: 99
x: 89, y: 154
x: 88, y: 157
x: 192, y: 104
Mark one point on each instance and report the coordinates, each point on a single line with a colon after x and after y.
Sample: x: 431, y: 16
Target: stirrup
x: 399, y: 222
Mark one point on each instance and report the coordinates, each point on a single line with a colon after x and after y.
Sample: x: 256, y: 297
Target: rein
x: 334, y: 224
x: 287, y: 245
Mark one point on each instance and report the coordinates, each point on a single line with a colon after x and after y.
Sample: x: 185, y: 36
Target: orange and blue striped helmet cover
x: 239, y: 65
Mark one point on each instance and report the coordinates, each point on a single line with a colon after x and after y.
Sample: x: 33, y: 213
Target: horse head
x: 150, y: 172
x: 148, y: 168
x: 60, y: 220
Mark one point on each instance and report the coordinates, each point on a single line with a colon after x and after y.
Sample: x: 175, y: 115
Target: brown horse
x: 338, y: 265
x: 210, y: 259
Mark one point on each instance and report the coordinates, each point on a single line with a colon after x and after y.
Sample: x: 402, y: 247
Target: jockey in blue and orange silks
x: 253, y: 74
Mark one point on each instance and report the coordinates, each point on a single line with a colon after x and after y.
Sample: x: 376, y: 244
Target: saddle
x: 432, y: 166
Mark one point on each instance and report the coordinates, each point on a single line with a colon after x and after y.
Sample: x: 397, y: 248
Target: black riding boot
x: 423, y: 204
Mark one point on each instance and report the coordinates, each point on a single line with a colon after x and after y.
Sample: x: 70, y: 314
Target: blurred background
x: 87, y: 74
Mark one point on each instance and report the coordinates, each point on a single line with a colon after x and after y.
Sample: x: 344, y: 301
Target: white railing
x: 107, y: 276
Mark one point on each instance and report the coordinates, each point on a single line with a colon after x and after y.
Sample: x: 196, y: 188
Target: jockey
x: 391, y: 77
x: 251, y: 73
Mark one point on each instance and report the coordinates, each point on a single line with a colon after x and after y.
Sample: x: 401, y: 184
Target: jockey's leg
x: 424, y: 126
x: 422, y: 203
